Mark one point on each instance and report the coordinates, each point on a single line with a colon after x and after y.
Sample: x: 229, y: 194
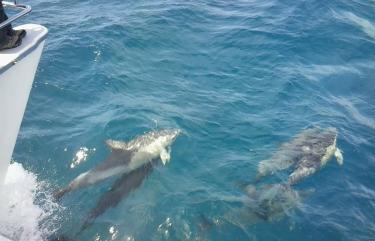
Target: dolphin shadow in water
x: 120, y: 190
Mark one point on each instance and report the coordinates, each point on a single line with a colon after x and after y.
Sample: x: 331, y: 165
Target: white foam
x: 315, y: 72
x: 81, y: 156
x: 354, y: 112
x: 21, y: 218
x: 365, y: 25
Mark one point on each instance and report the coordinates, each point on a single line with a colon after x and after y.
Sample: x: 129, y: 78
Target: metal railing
x: 25, y: 10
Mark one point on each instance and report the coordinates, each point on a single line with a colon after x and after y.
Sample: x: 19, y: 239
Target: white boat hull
x: 17, y: 72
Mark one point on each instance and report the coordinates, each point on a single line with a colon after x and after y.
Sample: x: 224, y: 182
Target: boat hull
x: 17, y: 71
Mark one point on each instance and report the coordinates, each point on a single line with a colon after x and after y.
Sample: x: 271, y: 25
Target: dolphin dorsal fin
x: 115, y: 145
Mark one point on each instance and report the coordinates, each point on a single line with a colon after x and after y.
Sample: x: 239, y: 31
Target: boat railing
x: 25, y: 9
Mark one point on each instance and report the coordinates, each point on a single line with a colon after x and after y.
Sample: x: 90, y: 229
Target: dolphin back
x: 119, y: 190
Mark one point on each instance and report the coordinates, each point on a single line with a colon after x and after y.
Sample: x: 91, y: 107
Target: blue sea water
x: 238, y: 77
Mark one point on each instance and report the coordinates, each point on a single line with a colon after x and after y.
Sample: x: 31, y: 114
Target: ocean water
x: 238, y: 77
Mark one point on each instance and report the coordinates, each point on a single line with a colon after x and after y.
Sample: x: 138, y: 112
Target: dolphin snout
x: 176, y: 133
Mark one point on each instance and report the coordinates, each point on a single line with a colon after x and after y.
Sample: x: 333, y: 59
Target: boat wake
x: 25, y: 206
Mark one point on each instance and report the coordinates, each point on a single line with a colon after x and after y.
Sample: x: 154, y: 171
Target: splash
x: 81, y: 156
x: 21, y: 218
x: 164, y: 228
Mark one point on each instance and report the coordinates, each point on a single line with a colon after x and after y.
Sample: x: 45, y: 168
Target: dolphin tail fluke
x: 60, y: 193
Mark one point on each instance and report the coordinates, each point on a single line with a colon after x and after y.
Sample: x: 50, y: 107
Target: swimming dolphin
x: 126, y: 157
x: 120, y: 189
x: 308, y: 152
x: 270, y: 202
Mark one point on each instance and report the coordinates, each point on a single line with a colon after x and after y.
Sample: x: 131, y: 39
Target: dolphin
x: 120, y: 189
x: 266, y: 203
x: 272, y: 201
x: 308, y: 152
x: 126, y: 157
x: 269, y: 202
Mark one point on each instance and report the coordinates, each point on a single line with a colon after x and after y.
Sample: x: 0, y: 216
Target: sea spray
x: 24, y: 206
